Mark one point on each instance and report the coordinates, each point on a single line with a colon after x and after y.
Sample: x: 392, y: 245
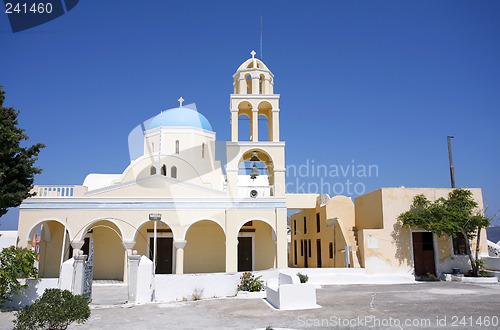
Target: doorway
x: 423, y: 253
x: 306, y: 259
x: 245, y: 251
x: 164, y: 254
x: 318, y: 253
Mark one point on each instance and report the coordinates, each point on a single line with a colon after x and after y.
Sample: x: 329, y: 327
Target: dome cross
x: 253, y: 53
x: 180, y: 101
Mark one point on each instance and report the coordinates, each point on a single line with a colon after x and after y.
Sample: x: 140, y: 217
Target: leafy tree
x: 14, y: 264
x: 16, y: 163
x: 454, y: 216
x: 55, y: 309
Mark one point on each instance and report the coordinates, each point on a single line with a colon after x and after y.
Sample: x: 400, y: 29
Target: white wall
x: 34, y: 290
x: 8, y: 238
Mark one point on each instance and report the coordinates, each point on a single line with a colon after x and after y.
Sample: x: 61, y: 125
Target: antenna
x: 261, y: 37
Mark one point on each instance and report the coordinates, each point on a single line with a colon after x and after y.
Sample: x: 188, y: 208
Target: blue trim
x: 154, y: 205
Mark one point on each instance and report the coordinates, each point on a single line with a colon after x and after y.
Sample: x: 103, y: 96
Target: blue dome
x: 182, y: 117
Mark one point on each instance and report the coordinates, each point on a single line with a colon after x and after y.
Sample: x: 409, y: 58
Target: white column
x: 133, y: 269
x: 179, y: 256
x: 255, y: 125
x: 255, y: 85
x: 243, y: 85
x: 281, y: 239
x: 234, y: 125
x: 79, y: 271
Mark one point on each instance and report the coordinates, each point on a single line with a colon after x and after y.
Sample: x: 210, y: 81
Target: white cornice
x: 256, y: 144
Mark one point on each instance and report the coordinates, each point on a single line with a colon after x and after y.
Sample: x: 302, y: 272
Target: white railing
x: 54, y: 191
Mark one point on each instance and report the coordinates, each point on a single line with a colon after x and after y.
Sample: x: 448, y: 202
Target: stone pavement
x: 445, y: 305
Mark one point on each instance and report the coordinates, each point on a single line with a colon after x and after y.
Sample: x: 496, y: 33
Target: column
x: 179, y: 256
x: 133, y: 269
x: 234, y: 125
x: 255, y: 125
x: 276, y: 125
x: 281, y: 238
x: 79, y: 271
x: 243, y: 85
x: 128, y: 245
x: 231, y: 241
x: 77, y: 246
x: 255, y: 85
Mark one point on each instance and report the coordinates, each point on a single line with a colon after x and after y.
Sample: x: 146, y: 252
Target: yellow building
x: 370, y: 233
x: 216, y: 207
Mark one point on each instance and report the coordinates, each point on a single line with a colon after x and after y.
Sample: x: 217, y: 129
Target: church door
x: 163, y: 254
x: 244, y: 254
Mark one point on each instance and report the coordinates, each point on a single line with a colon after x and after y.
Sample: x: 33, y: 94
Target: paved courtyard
x: 405, y: 306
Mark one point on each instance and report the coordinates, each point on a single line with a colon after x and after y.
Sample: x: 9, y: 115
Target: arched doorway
x: 165, y: 254
x: 256, y: 246
x: 205, y: 250
x: 50, y: 245
x: 105, y: 238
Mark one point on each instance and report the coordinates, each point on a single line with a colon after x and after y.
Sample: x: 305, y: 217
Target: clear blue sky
x: 374, y: 82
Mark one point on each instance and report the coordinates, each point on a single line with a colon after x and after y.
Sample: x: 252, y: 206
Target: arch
x: 173, y: 172
x: 203, y: 219
x: 205, y: 251
x: 248, y: 80
x: 263, y: 155
x: 262, y: 84
x: 164, y: 170
x: 257, y: 248
x: 33, y: 228
x: 244, y: 127
x: 258, y: 219
x: 176, y: 237
x: 82, y: 232
x: 263, y: 128
x: 152, y: 170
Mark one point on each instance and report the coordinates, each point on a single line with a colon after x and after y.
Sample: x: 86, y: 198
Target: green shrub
x: 55, y: 309
x: 303, y: 277
x: 250, y: 283
x: 14, y: 264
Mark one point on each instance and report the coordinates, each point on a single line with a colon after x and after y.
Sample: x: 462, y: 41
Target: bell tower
x: 253, y: 97
x: 254, y: 100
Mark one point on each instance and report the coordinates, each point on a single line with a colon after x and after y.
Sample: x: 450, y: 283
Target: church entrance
x: 244, y: 253
x: 164, y: 254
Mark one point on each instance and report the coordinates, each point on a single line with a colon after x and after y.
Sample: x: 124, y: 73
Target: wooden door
x: 318, y: 253
x: 423, y: 253
x: 163, y: 254
x: 306, y: 257
x: 245, y: 254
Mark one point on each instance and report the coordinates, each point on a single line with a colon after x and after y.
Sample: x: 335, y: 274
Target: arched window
x: 164, y: 170
x: 176, y: 146
x: 261, y: 84
x: 152, y: 170
x: 173, y: 172
x: 248, y: 79
x: 203, y: 150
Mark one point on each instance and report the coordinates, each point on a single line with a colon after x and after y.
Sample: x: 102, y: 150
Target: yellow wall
x: 50, y: 251
x: 205, y: 251
x: 339, y: 207
x: 265, y: 247
x: 109, y: 253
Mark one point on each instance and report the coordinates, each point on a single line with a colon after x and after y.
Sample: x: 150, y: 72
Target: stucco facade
x: 212, y: 217
x: 377, y: 241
